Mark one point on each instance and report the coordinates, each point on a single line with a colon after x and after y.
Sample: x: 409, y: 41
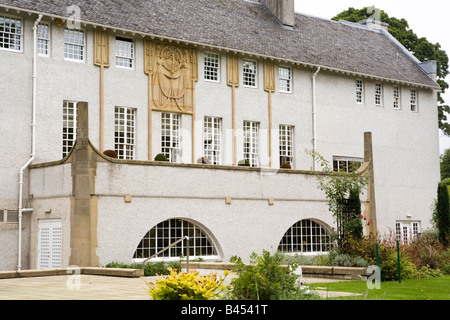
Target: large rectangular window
x: 285, y: 79
x: 286, y: 145
x: 11, y: 33
x: 43, y: 39
x: 251, y: 142
x: 359, y: 91
x: 74, y: 44
x: 212, y: 139
x: 69, y: 134
x: 249, y: 73
x: 124, y: 135
x: 124, y: 53
x: 211, y: 67
x: 170, y: 136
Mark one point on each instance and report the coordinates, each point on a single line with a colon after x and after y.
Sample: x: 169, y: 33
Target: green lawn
x: 414, y: 289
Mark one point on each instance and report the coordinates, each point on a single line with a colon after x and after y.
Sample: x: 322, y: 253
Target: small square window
x: 414, y: 107
x: 212, y: 67
x: 11, y: 33
x: 396, y: 98
x: 378, y: 94
x: 43, y: 39
x: 249, y: 73
x: 285, y: 79
x: 359, y: 91
x: 74, y: 44
x: 124, y: 53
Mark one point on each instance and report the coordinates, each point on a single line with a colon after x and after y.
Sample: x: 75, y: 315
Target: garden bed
x: 332, y: 272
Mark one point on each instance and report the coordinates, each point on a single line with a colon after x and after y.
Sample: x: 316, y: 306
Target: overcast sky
x: 426, y: 18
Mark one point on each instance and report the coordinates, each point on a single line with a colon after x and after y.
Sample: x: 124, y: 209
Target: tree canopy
x: 420, y: 47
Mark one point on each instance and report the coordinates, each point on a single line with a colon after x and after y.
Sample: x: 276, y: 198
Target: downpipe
x: 33, y: 144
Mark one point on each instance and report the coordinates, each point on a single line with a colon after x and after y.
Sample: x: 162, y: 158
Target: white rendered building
x: 208, y: 84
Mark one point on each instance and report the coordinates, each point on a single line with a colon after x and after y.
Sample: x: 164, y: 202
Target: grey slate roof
x: 247, y: 26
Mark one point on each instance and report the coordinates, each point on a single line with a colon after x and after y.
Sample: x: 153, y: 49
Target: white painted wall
x: 405, y: 146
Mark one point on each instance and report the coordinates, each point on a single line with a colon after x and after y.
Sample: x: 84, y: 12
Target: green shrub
x: 161, y: 157
x: 345, y: 260
x: 265, y: 279
x: 244, y: 163
x: 151, y: 269
x: 389, y: 268
x: 443, y: 261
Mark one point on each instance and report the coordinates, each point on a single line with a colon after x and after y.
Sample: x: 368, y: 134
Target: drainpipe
x: 314, y: 122
x: 33, y: 144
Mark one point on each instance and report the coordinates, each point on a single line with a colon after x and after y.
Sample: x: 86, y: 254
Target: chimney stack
x: 283, y: 10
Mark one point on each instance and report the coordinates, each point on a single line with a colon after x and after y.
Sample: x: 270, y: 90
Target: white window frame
x: 125, y: 132
x: 43, y: 39
x: 345, y: 162
x: 170, y: 135
x: 69, y: 129
x: 211, y: 70
x: 124, y: 53
x: 307, y: 237
x: 285, y: 79
x: 201, y: 245
x: 212, y: 139
x: 414, y: 100
x: 407, y: 231
x: 378, y: 94
x: 9, y: 216
x: 250, y: 73
x: 15, y: 37
x: 359, y: 84
x: 396, y: 98
x: 286, y: 144
x: 69, y: 45
x: 251, y: 142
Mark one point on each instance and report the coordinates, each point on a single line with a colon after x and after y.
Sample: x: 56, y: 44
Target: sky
x: 426, y: 18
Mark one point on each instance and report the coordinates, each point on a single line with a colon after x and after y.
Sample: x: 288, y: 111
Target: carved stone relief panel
x: 173, y: 70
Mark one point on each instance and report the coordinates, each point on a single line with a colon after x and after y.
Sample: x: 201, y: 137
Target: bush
x: 180, y: 285
x: 161, y: 157
x: 244, y: 163
x: 150, y: 270
x: 345, y: 260
x: 265, y: 279
x: 443, y: 261
x: 111, y: 153
x: 389, y: 268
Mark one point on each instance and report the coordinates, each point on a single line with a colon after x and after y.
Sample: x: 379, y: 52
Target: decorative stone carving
x: 233, y: 70
x: 173, y: 70
x: 101, y: 48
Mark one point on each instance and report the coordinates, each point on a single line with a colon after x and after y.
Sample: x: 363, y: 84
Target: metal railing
x: 167, y: 248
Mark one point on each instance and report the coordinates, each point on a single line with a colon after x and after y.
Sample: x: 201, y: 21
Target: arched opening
x: 306, y: 237
x: 168, y: 232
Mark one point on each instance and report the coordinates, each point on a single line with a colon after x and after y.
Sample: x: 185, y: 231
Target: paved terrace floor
x: 89, y: 287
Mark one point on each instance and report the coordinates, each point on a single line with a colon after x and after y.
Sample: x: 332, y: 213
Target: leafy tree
x: 337, y: 188
x: 441, y: 215
x: 420, y: 47
x: 445, y: 164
